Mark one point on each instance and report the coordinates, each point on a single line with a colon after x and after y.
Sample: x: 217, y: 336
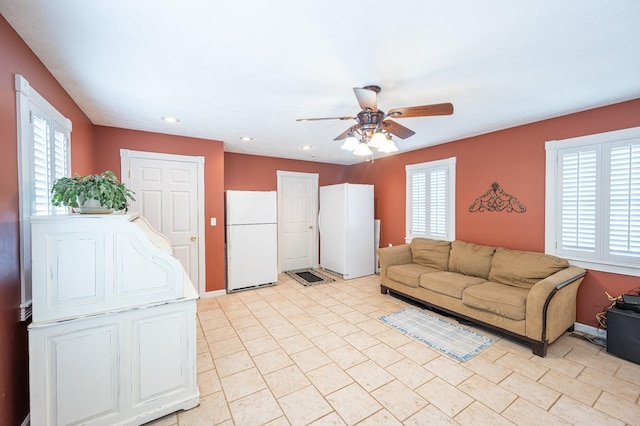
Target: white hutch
x: 112, y: 340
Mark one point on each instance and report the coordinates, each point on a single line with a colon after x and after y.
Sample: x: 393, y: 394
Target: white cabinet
x: 86, y: 264
x: 116, y: 348
x: 128, y: 367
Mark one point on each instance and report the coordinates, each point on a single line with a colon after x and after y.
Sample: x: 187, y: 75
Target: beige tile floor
x: 295, y: 355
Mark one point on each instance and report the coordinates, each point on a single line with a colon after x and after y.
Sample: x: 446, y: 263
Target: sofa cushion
x: 432, y: 253
x: 449, y: 283
x: 505, y: 300
x: 470, y: 259
x: 523, y: 268
x: 409, y: 273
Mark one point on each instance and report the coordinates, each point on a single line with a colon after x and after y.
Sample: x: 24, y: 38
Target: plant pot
x: 91, y: 206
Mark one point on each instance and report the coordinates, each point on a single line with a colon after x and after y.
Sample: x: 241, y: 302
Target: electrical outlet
x: 213, y: 221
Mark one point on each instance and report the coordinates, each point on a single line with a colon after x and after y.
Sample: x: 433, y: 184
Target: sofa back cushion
x: 470, y: 259
x: 431, y: 253
x: 523, y: 268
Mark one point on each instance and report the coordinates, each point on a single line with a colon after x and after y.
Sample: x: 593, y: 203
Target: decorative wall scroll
x: 496, y: 200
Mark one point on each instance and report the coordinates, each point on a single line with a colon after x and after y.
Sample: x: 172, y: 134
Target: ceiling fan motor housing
x: 370, y: 119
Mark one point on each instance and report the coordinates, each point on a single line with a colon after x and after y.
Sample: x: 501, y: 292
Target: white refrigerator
x: 347, y: 230
x: 252, y: 239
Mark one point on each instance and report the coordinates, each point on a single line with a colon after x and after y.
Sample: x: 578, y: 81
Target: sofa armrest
x: 395, y: 255
x: 554, y: 296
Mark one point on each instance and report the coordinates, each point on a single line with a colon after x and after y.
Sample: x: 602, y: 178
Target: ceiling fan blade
x: 397, y: 129
x: 325, y: 118
x: 344, y: 134
x: 367, y: 98
x: 422, y: 111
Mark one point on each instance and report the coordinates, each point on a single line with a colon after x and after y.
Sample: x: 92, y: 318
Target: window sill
x: 612, y: 268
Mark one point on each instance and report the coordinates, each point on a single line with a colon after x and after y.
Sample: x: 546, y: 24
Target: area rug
x: 457, y: 342
x: 308, y: 277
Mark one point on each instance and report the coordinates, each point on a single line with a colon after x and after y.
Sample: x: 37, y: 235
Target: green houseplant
x: 79, y: 191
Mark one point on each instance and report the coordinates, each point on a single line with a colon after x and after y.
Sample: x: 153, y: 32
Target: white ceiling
x: 249, y: 68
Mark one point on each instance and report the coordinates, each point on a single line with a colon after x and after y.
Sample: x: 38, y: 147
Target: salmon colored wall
x: 110, y: 140
x: 515, y: 158
x: 257, y: 173
x: 17, y: 58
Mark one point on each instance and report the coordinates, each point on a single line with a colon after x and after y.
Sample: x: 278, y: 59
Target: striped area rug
x: 457, y: 342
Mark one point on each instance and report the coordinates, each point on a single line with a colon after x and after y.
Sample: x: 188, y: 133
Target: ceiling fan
x: 375, y: 127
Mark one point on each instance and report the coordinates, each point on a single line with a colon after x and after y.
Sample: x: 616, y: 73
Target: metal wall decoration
x: 496, y: 200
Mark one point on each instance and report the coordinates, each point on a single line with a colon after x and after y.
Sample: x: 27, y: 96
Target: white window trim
x: 552, y: 197
x: 450, y: 165
x: 26, y: 96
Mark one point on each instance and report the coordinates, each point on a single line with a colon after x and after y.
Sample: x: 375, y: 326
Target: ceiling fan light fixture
x: 388, y: 146
x: 350, y: 143
x: 377, y: 140
x: 362, y: 150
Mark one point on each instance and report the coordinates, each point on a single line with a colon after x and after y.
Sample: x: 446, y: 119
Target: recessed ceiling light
x: 306, y: 147
x: 169, y: 119
x: 246, y: 138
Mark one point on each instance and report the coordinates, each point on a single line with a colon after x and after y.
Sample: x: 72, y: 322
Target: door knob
x: 310, y: 226
x: 193, y: 238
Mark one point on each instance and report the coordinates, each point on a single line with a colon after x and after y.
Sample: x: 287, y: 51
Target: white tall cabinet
x: 112, y: 340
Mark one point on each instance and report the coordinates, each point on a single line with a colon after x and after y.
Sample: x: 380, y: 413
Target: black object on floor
x: 309, y: 277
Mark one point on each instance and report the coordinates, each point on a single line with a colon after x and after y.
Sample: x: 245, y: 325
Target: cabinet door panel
x: 159, y: 356
x: 83, y: 374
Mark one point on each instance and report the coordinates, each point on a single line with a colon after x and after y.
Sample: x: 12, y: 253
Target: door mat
x: 308, y: 277
x: 457, y: 342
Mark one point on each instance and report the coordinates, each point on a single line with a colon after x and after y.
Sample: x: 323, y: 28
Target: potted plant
x: 97, y: 193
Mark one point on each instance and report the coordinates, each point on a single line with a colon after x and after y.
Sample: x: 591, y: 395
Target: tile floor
x: 295, y: 355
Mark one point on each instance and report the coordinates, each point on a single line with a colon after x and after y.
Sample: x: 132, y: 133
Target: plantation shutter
x: 50, y: 160
x: 438, y: 199
x: 624, y: 202
x: 41, y: 143
x: 578, y: 214
x: 419, y: 203
x: 60, y: 157
x: 592, y: 212
x: 428, y: 200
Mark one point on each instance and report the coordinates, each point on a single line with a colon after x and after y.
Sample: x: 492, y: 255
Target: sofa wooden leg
x: 384, y: 290
x: 539, y: 348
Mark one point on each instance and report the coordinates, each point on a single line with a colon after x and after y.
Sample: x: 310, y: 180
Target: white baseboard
x: 26, y: 421
x: 215, y: 293
x: 593, y: 331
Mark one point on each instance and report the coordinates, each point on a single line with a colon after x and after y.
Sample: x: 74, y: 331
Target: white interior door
x: 297, y: 220
x: 169, y: 194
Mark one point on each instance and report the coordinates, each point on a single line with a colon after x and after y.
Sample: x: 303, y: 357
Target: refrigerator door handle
x: 320, y: 220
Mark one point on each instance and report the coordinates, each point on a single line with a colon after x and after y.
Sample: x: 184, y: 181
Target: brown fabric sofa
x: 526, y: 295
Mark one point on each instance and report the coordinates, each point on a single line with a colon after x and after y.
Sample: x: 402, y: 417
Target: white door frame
x: 283, y: 174
x: 125, y: 157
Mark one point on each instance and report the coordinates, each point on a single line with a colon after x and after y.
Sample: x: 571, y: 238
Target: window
x: 43, y: 156
x: 431, y: 200
x: 593, y: 201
